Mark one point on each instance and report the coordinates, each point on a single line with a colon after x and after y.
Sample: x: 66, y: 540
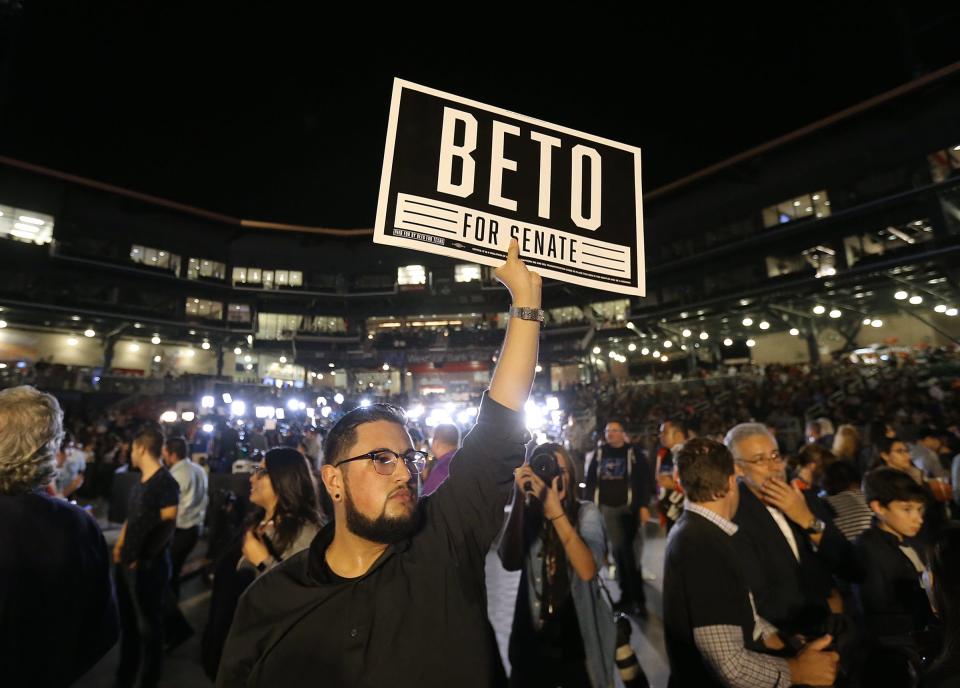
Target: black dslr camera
x: 545, y: 465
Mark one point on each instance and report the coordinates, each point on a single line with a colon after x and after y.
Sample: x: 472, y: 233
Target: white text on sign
x: 580, y: 157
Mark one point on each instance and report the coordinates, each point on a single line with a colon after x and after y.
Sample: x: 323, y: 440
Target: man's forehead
x: 755, y: 444
x: 614, y: 427
x: 381, y: 434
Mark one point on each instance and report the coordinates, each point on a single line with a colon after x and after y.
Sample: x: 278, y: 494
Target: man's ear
x: 876, y: 507
x: 332, y: 478
x: 736, y: 470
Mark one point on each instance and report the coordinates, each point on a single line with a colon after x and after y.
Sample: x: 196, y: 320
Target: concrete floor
x: 182, y: 666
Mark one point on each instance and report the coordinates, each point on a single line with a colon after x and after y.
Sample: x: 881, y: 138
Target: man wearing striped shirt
x: 714, y: 635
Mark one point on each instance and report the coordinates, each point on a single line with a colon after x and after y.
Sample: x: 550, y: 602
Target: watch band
x: 816, y: 527
x: 527, y: 313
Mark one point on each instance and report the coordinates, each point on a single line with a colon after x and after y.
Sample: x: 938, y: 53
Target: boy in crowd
x: 894, y: 602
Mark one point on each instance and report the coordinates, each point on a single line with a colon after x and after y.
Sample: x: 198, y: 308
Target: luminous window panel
x: 267, y: 278
x: 411, y: 274
x: 238, y: 312
x: 137, y: 253
x: 239, y: 275
x: 296, y: 278
x: 466, y: 272
x: 254, y: 275
x: 26, y: 226
x: 282, y: 277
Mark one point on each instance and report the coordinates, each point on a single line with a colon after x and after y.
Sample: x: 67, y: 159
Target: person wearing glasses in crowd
x: 396, y: 576
x: 787, y: 542
x: 284, y: 523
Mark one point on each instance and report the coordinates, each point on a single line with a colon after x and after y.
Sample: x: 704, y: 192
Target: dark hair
x: 448, y: 434
x: 945, y: 567
x: 151, y: 439
x: 887, y: 485
x: 618, y: 421
x: 929, y: 431
x: 839, y: 476
x: 343, y: 435
x: 177, y: 446
x: 678, y: 424
x: 296, y: 490
x: 705, y: 467
x: 884, y: 445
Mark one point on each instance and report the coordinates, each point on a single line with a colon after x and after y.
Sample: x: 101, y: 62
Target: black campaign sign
x: 462, y: 179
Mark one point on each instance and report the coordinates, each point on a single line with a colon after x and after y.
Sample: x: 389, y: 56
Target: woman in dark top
x: 557, y: 542
x: 286, y: 519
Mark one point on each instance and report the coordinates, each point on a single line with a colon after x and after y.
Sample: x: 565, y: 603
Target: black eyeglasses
x: 385, y: 461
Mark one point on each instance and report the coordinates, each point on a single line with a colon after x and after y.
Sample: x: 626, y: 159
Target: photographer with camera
x: 563, y: 632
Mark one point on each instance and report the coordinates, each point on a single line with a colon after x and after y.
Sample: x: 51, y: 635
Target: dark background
x: 257, y: 111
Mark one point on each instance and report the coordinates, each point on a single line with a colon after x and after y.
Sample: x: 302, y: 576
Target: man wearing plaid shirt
x: 713, y: 633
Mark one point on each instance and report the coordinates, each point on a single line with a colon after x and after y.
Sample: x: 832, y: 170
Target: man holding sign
x: 392, y: 593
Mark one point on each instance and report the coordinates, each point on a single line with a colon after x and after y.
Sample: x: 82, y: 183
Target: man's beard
x: 383, y: 529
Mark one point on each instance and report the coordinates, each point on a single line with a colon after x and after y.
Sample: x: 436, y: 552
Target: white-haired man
x: 57, y: 612
x: 787, y: 541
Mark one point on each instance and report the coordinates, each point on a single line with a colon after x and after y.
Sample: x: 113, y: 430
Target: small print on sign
x: 462, y: 179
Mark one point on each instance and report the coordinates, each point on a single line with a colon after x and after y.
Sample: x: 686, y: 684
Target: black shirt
x: 418, y: 617
x: 703, y: 585
x: 894, y: 602
x: 143, y: 515
x: 613, y: 481
x: 57, y: 612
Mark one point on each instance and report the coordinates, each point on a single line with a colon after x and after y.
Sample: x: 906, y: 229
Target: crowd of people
x: 810, y: 517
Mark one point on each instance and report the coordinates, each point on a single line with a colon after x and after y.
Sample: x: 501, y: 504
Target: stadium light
x: 667, y: 343
x: 747, y: 322
x: 703, y: 336
x: 157, y: 358
x: 900, y: 295
x: 208, y: 428
x: 951, y: 312
x: 293, y: 404
x: 728, y: 342
x: 364, y: 403
x: 751, y: 343
x: 155, y: 339
x: 238, y: 408
x: 187, y: 416
x: 764, y: 325
x: 263, y: 411
x: 227, y: 399
x: 237, y: 351
x: 835, y: 313
x: 321, y: 401
x: 941, y: 308
x: 876, y: 323
x: 325, y: 411
x: 631, y: 347
x: 206, y: 402
x: 338, y: 398
x: 205, y: 346
x: 168, y: 417
x: 414, y: 412
x: 686, y: 333
x: 819, y: 309
x: 794, y: 331
x: 89, y: 333
x: 280, y: 413
x: 916, y: 300
x: 553, y: 403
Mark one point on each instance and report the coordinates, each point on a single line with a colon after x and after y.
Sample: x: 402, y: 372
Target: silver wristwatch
x: 527, y: 313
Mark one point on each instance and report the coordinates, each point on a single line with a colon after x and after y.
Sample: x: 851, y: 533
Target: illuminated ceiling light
x: 3, y: 323
x: 747, y: 322
x: 835, y: 313
x: 916, y: 300
x: 192, y: 333
x: 72, y: 341
x: 728, y: 342
x: 206, y: 401
x: 157, y: 358
x: 386, y: 366
x: 188, y: 416
x: 189, y: 353
x: 338, y: 398
x: 656, y: 354
x: 876, y: 323
x: 644, y: 351
x: 249, y: 366
x: 631, y: 347
x: 227, y: 399
x: 819, y: 309
x: 613, y: 354
x: 866, y: 321
x: 539, y: 369
x: 764, y: 325
x: 155, y: 339
x: 686, y: 333
x: 751, y: 343
x: 283, y: 359
x: 951, y: 312
x: 134, y: 347
x: 596, y: 350
x: 31, y: 220
x: 89, y: 333
x: 900, y: 295
x: 75, y: 318
x: 247, y: 359
x: 664, y: 359
x: 137, y: 325
x: 794, y: 331
x: 168, y: 417
x: 238, y: 408
x: 332, y: 365
x: 941, y: 308
x: 237, y: 351
x: 205, y: 346
x: 704, y: 335
x: 667, y: 343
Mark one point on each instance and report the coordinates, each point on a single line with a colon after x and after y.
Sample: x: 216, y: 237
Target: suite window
x: 815, y: 204
x: 276, y: 326
x: 411, y: 274
x: 944, y: 163
x: 890, y: 238
x: 201, y: 308
x: 467, y: 272
x: 201, y: 267
x: 326, y: 324
x: 238, y: 313
x: 25, y: 225
x: 155, y: 257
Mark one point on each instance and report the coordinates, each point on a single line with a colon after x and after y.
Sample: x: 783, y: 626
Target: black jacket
x: 894, y: 603
x: 418, y: 617
x: 642, y: 484
x: 58, y: 616
x: 789, y: 594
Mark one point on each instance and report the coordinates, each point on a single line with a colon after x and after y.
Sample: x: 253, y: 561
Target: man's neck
x: 616, y: 446
x: 887, y: 529
x: 148, y: 467
x: 349, y: 555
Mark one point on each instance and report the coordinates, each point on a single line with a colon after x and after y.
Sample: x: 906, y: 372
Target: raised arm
x: 513, y: 376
